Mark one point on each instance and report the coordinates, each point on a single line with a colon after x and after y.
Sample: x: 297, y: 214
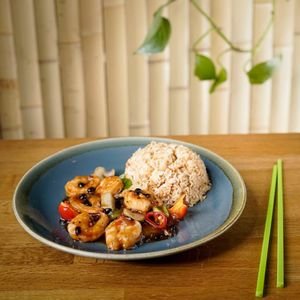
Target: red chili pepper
x: 156, y: 219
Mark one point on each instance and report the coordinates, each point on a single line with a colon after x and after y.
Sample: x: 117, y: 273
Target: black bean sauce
x: 91, y: 190
x: 81, y: 184
x: 77, y: 230
x: 85, y: 200
x: 107, y: 210
x: 94, y: 218
x: 139, y: 191
x: 83, y: 197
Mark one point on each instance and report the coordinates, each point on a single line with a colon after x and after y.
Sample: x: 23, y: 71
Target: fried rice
x: 168, y: 171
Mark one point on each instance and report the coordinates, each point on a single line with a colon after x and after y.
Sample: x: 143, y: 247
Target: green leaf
x: 222, y: 77
x: 263, y: 71
x: 204, y: 68
x: 158, y: 35
x: 127, y: 182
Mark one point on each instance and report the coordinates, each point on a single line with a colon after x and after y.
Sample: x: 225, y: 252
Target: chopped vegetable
x: 108, y: 201
x: 126, y: 181
x: 109, y: 173
x: 99, y: 171
x: 162, y: 209
x: 102, y: 172
x: 66, y: 211
x: 133, y: 215
x: 179, y: 209
x: 156, y: 219
x: 115, y: 214
x: 150, y: 232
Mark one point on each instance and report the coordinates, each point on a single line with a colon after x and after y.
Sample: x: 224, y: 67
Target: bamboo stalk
x: 179, y: 68
x: 10, y: 113
x: 138, y: 73
x: 159, y: 79
x: 295, y: 100
x: 199, y: 90
x: 219, y: 100
x: 116, y: 57
x: 239, y: 110
x: 49, y: 67
x: 261, y: 94
x: 27, y: 66
x: 94, y: 66
x: 71, y: 67
x: 281, y: 84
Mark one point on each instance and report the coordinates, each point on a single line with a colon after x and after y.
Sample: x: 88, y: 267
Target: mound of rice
x: 167, y: 171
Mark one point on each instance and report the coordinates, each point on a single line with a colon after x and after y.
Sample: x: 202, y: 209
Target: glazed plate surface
x: 41, y: 189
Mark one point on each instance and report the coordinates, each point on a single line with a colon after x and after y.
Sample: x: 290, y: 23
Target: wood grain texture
x: 225, y: 268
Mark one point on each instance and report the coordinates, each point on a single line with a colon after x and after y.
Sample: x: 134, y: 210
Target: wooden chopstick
x: 266, y: 239
x: 280, y: 233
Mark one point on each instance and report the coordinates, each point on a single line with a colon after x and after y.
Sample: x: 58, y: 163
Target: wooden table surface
x: 221, y: 269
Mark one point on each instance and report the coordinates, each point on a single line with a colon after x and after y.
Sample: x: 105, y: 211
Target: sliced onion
x: 109, y: 173
x: 108, y: 201
x: 133, y: 215
x: 99, y: 171
x: 102, y: 172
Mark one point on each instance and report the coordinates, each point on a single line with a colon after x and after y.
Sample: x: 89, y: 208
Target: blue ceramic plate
x: 41, y: 189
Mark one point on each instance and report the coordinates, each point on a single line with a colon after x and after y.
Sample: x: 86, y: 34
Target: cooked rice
x: 167, y: 171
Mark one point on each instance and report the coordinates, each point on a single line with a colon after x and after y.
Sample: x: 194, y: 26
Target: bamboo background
x: 68, y: 69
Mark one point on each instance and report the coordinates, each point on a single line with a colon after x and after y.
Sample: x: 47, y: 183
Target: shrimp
x: 138, y: 200
x: 86, y: 203
x: 112, y: 185
x: 123, y: 233
x: 82, y: 185
x: 88, y: 227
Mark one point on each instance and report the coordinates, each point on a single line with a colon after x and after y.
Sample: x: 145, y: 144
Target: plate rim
x: 229, y: 222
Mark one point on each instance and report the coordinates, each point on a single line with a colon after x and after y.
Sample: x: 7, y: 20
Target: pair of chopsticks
x: 276, y: 185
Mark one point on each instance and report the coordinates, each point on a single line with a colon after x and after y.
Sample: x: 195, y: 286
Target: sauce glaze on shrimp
x: 82, y: 185
x: 123, y: 233
x: 87, y: 227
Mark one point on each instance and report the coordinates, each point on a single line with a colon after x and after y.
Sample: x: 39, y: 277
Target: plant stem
x: 194, y: 47
x: 218, y: 59
x: 218, y: 30
x: 265, y: 32
x: 226, y: 39
x: 163, y: 6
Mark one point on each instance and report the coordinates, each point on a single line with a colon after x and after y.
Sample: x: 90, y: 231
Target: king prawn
x: 102, y: 206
